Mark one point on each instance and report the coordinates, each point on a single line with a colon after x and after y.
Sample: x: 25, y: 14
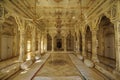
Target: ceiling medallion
x: 58, y: 1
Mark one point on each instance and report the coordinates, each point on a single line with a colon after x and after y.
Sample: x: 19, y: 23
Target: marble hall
x: 59, y: 39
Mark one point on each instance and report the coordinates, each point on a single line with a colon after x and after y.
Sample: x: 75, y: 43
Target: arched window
x: 70, y: 42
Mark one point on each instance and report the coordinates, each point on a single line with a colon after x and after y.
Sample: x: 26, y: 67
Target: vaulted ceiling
x: 46, y: 12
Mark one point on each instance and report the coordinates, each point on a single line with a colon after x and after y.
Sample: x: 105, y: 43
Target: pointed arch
x: 88, y: 43
x: 49, y: 42
x: 106, y: 42
x: 70, y: 42
x: 80, y: 42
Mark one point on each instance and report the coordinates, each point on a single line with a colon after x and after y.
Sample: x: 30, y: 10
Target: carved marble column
x: 15, y: 42
x: 45, y: 43
x: 77, y: 45
x: 39, y: 44
x: 117, y: 37
x: 94, y: 46
x: 21, y: 27
x: 42, y: 43
x: 117, y: 45
x: 38, y: 55
x: 65, y: 44
x: 52, y: 43
x: 0, y: 39
x: 83, y: 46
x: 22, y: 45
x: 33, y: 41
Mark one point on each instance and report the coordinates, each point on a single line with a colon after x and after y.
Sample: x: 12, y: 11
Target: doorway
x: 106, y: 43
x: 59, y: 43
x: 49, y: 42
x: 88, y: 43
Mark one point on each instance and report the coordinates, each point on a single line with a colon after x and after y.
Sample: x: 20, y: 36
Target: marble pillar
x: 94, y: 46
x: 65, y: 44
x: 33, y: 42
x: 117, y: 40
x: 83, y: 46
x: 38, y: 55
x: 42, y: 44
x: 45, y: 43
x: 15, y: 42
x: 77, y: 45
x: 39, y: 43
x: 52, y: 43
x: 22, y: 45
x: 0, y: 39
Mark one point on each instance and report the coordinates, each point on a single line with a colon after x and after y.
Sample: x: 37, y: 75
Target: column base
x: 117, y: 74
x: 95, y: 60
x: 26, y: 64
x: 80, y: 56
x: 88, y: 63
x: 20, y: 60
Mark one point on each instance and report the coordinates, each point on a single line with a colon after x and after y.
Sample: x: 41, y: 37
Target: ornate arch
x: 49, y: 42
x: 88, y: 43
x: 70, y: 42
x: 106, y: 41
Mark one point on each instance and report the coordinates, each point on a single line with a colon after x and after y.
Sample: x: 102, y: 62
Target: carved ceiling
x: 45, y: 12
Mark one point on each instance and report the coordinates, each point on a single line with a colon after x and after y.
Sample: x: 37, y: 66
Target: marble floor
x: 59, y: 66
x: 8, y: 62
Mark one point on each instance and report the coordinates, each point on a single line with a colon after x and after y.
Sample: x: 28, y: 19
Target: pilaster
x: 94, y: 46
x: 52, y: 43
x: 33, y: 41
x: 117, y: 44
x: 21, y: 27
x: 0, y: 38
x: 65, y: 44
x: 22, y: 45
x: 83, y: 46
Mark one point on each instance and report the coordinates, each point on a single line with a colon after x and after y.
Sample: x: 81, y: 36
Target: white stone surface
x: 117, y: 74
x: 88, y: 73
x: 28, y: 74
x: 26, y: 64
x: 8, y: 71
x: 37, y: 57
x: 106, y: 72
x: 80, y: 57
x: 88, y: 63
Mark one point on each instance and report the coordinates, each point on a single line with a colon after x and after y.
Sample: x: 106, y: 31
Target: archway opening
x: 106, y: 44
x: 9, y: 36
x: 70, y: 42
x: 88, y: 43
x: 49, y: 42
x: 58, y: 42
x: 80, y: 42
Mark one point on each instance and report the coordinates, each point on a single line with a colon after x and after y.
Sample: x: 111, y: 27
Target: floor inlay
x: 58, y: 65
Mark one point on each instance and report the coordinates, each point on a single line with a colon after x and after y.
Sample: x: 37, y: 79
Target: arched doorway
x: 70, y: 42
x: 9, y: 39
x: 80, y: 42
x: 58, y: 42
x: 88, y: 43
x: 49, y: 42
x: 106, y: 43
